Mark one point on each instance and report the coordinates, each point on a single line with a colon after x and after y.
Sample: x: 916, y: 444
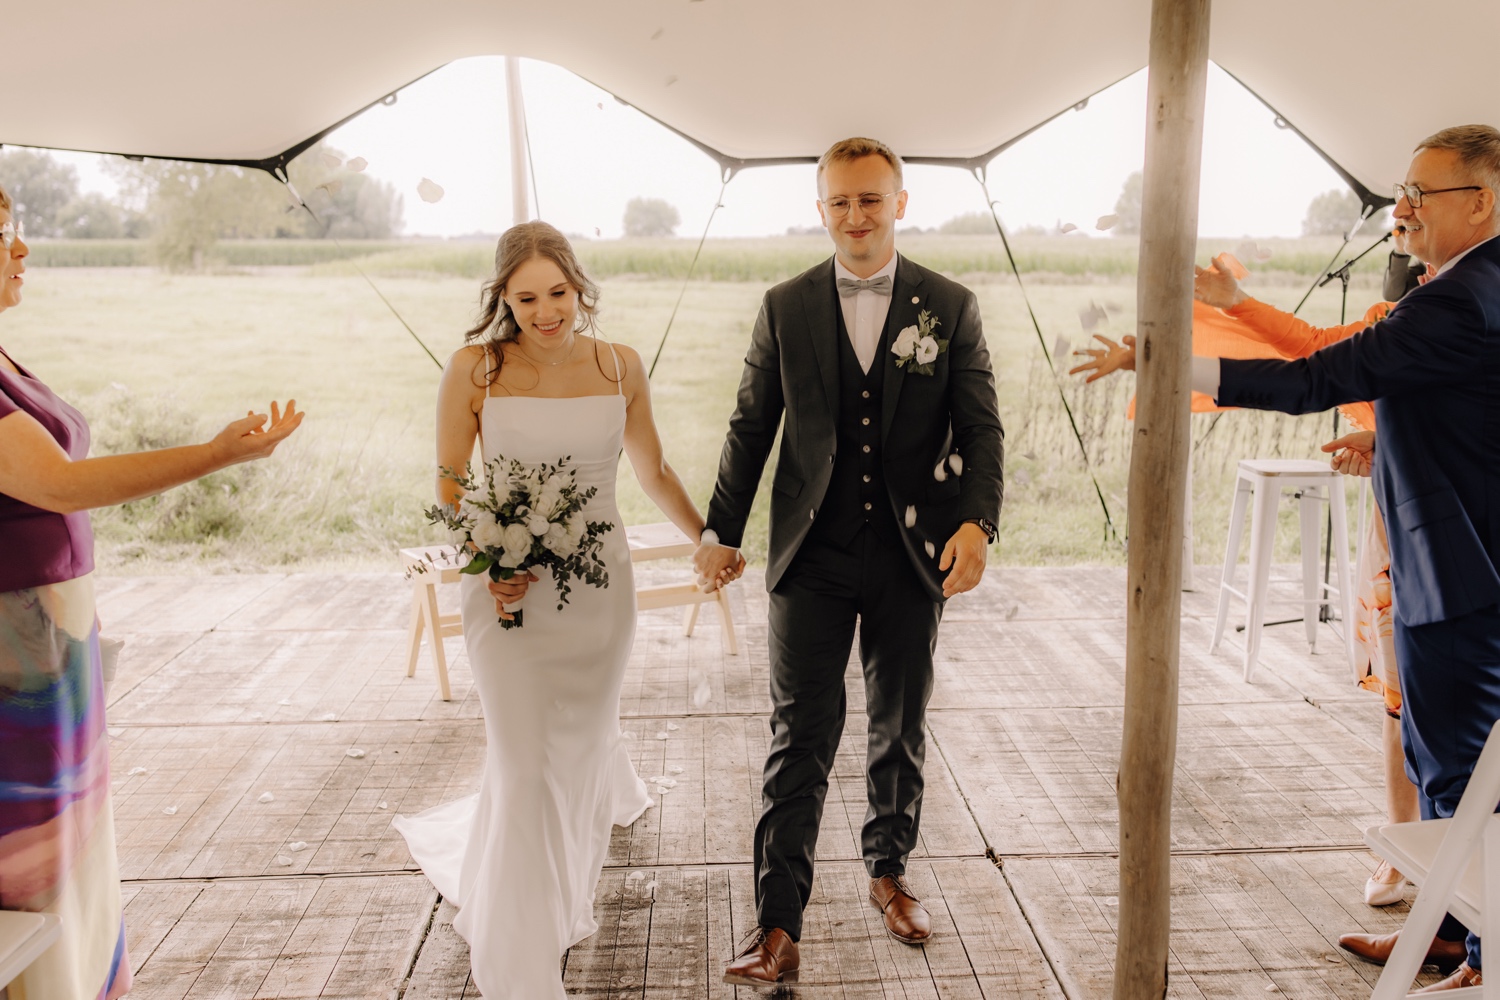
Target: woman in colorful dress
x: 57, y: 842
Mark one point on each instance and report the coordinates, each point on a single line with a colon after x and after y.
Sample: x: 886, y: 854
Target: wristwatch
x: 985, y: 525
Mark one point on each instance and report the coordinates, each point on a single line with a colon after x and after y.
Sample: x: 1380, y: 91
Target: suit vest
x: 857, y: 495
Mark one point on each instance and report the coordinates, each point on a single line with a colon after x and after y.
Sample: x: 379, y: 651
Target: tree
x: 1128, y: 206
x: 969, y: 224
x: 92, y: 216
x: 651, y: 217
x: 1333, y: 213
x: 39, y: 186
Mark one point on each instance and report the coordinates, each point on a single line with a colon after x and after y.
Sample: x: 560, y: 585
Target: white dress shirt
x: 865, y: 311
x: 1460, y: 256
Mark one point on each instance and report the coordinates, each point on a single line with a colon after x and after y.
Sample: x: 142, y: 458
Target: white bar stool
x: 1317, y: 484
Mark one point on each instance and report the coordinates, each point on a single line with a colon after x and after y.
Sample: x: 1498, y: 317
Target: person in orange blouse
x: 1290, y: 337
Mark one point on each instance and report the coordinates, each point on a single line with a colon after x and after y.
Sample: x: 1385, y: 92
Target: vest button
x: 864, y: 421
x: 867, y: 477
x: 867, y: 506
x: 867, y: 449
x: 865, y: 394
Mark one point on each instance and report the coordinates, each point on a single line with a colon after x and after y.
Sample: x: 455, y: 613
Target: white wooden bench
x: 23, y: 938
x: 431, y: 565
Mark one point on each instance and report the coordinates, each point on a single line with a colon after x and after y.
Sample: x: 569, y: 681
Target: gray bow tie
x: 880, y: 285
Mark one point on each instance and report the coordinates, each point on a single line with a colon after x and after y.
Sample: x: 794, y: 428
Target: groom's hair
x: 848, y: 150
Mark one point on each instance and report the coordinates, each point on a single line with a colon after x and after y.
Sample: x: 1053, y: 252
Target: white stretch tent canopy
x: 254, y: 83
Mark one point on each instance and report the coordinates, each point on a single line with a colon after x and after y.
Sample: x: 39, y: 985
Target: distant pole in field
x: 515, y: 103
x: 1157, y: 490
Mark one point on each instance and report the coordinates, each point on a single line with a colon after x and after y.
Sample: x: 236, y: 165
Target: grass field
x: 155, y: 359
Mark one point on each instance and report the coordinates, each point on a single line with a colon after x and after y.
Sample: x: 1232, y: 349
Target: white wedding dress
x: 521, y: 858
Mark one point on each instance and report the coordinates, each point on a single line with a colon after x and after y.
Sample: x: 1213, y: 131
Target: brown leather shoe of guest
x: 1377, y: 948
x: 906, y: 919
x: 1465, y: 976
x: 767, y: 956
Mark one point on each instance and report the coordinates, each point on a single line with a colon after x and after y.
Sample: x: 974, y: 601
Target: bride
x: 521, y: 858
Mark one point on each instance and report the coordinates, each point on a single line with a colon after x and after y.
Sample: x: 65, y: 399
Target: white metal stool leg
x: 1262, y: 548
x: 1310, y: 511
x: 1341, y: 563
x: 1231, y: 556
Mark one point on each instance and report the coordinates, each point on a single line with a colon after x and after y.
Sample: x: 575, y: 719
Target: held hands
x: 1217, y: 286
x: 717, y: 565
x: 510, y: 592
x: 247, y: 439
x: 1112, y: 357
x: 966, y: 552
x: 1354, y: 453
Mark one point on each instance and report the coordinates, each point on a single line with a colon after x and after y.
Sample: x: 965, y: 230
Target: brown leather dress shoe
x: 767, y: 956
x: 1465, y: 976
x: 1377, y: 948
x: 906, y: 919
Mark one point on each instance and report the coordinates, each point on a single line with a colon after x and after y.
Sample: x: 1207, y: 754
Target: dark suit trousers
x: 812, y: 624
x: 1450, y: 698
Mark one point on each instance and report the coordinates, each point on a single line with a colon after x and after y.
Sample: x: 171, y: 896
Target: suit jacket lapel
x: 819, y: 300
x: 903, y: 313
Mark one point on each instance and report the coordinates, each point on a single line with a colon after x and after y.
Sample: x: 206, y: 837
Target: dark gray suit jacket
x: 792, y: 368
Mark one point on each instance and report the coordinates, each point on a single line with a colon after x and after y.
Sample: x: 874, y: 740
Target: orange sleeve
x: 1293, y: 337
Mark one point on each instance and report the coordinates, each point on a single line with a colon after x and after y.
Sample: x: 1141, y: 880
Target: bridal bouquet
x: 526, y: 517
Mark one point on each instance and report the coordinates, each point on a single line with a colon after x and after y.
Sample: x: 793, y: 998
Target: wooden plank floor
x: 264, y: 733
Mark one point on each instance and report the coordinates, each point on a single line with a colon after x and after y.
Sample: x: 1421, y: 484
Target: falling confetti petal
x: 940, y: 473
x: 330, y: 717
x: 297, y: 845
x: 357, y: 164
x: 429, y: 192
x: 956, y: 463
x: 703, y: 693
x: 116, y: 733
x: 1106, y: 222
x: 600, y: 105
x: 331, y: 161
x: 1012, y: 611
x: 671, y: 80
x: 1091, y: 317
x: 931, y: 550
x: 282, y: 860
x: 651, y: 886
x: 284, y: 702
x: 911, y: 516
x: 666, y: 782
x: 662, y: 791
x: 332, y: 187
x: 662, y: 735
x: 628, y: 734
x: 1060, y: 348
x: 134, y: 771
x: 1333, y: 959
x: 1272, y: 988
x: 636, y: 876
x: 354, y: 752
x: 383, y: 806
x: 1066, y: 227
x: 596, y: 232
x: 675, y: 769
x: 266, y: 797
x: 1263, y: 254
x: 170, y: 811
x: 672, y: 727
x: 256, y: 716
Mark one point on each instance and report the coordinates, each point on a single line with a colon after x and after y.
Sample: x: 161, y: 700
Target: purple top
x: 38, y: 547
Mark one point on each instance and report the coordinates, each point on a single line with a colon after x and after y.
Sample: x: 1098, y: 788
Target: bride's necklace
x: 550, y: 364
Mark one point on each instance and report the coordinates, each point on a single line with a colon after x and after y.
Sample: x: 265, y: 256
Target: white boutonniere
x: 917, y: 347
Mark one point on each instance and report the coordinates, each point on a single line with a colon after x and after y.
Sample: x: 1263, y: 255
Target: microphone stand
x: 1341, y: 274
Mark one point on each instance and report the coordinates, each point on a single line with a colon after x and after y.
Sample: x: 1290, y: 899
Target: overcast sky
x: 592, y: 155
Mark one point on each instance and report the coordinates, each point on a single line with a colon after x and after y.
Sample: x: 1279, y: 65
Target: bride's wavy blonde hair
x: 519, y: 244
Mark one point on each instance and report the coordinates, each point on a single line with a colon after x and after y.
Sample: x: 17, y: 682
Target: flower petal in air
x: 931, y: 550
x: 331, y: 161
x: 956, y: 463
x: 266, y: 797
x: 429, y: 191
x: 357, y: 164
x: 1107, y: 222
x: 911, y: 516
x: 1066, y: 227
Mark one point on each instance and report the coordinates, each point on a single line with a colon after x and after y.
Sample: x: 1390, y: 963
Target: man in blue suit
x: 1432, y: 368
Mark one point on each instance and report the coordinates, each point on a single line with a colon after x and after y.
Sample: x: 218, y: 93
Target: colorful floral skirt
x: 57, y: 835
x: 1375, y: 662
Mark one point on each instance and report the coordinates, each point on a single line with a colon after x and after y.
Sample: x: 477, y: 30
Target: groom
x: 883, y: 505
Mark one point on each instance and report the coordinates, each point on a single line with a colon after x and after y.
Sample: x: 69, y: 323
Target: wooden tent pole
x: 1157, y: 489
x: 515, y: 105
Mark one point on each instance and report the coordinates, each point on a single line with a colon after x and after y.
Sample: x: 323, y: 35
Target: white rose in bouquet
x: 469, y: 509
x: 906, y: 342
x: 549, y: 499
x: 927, y: 350
x: 517, y: 542
x: 558, y: 540
x: 487, y: 533
x: 537, y: 524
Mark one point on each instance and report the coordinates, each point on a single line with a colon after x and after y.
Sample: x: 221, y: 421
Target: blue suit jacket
x: 1433, y: 369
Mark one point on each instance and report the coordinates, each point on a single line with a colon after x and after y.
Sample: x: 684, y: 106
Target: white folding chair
x: 1456, y: 862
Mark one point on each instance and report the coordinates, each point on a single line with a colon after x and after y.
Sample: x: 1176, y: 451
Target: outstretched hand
x: 248, y: 438
x: 1112, y: 357
x: 1353, y: 453
x: 1217, y: 286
